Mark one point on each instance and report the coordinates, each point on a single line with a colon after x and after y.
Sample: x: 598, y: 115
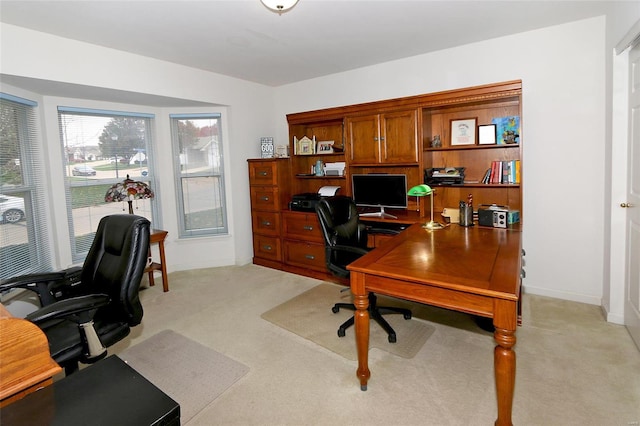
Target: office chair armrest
x: 68, y: 308
x: 46, y: 285
x: 30, y: 281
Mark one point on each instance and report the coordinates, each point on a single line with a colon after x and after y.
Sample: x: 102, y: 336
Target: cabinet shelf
x: 318, y: 177
x: 470, y: 147
x: 479, y: 185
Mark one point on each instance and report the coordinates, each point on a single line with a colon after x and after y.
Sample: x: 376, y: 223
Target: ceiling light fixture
x: 279, y: 6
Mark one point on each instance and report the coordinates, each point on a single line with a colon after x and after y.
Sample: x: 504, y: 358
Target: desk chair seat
x: 345, y: 241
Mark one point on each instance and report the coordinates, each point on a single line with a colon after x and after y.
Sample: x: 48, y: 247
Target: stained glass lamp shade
x: 128, y: 190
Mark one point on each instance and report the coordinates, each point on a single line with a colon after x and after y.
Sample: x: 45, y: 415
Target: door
x: 632, y: 203
x: 363, y: 134
x: 400, y: 136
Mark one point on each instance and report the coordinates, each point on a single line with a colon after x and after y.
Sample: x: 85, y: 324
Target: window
x: 101, y: 149
x: 23, y: 220
x: 197, y: 148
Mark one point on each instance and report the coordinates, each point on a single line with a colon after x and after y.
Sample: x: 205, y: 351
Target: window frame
x: 78, y: 254
x: 31, y: 188
x: 180, y: 177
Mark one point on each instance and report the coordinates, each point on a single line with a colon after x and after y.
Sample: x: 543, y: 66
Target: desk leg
x: 504, y: 360
x: 361, y: 302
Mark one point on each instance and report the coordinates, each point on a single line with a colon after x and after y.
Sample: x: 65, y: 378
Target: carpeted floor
x: 573, y: 368
x: 309, y: 313
x: 190, y: 373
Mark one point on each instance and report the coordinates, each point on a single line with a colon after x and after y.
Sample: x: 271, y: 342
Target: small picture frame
x: 487, y: 134
x: 463, y: 132
x: 306, y: 146
x: 325, y: 147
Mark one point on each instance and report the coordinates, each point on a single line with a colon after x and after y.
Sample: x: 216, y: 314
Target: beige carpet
x: 309, y: 315
x: 190, y: 373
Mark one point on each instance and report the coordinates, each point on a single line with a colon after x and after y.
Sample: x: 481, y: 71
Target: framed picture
x: 325, y: 147
x: 305, y: 146
x: 508, y: 129
x: 463, y: 132
x: 487, y: 134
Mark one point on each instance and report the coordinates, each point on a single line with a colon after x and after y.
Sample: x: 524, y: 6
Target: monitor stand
x: 380, y: 214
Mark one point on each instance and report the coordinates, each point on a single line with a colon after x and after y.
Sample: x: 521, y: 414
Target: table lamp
x: 421, y: 191
x: 128, y: 190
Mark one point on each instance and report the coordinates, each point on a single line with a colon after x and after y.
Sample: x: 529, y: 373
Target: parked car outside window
x: 11, y: 209
x: 83, y: 170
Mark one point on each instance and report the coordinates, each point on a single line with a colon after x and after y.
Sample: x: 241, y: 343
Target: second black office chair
x: 84, y: 310
x: 345, y: 240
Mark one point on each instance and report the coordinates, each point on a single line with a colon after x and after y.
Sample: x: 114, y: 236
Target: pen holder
x: 466, y: 215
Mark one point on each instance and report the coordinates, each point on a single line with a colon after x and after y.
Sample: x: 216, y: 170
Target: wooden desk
x: 474, y: 270
x: 25, y: 362
x: 158, y: 236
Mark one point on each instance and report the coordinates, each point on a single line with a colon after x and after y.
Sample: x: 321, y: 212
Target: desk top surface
x: 478, y: 260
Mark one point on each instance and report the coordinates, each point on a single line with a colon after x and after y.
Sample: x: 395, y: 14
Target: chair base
x: 375, y: 313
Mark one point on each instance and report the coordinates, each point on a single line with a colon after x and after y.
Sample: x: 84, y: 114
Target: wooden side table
x: 158, y: 236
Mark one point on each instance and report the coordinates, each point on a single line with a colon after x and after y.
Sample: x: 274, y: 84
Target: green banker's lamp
x: 421, y: 191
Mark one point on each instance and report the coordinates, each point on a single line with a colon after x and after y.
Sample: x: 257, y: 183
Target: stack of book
x: 507, y: 171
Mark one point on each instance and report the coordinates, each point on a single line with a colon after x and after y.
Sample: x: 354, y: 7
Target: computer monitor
x: 380, y: 190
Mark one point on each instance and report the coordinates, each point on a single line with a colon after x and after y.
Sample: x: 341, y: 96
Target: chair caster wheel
x: 407, y: 316
x: 392, y: 338
x: 341, y: 332
x: 335, y: 309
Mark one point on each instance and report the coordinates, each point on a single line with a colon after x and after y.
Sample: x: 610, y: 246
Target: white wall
x: 37, y: 55
x: 563, y: 69
x: 563, y: 72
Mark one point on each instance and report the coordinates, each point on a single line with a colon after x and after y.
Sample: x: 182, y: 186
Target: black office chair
x: 84, y: 310
x: 345, y: 241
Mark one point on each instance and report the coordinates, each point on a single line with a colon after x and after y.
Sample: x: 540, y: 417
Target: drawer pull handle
x: 310, y: 256
x: 266, y: 223
x: 263, y: 173
x: 267, y: 247
x: 264, y: 198
x: 308, y: 228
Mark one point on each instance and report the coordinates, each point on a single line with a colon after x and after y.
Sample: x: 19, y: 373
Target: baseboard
x: 612, y: 318
x: 574, y: 297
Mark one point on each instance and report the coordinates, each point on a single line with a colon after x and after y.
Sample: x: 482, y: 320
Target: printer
x: 304, y: 202
x: 307, y: 202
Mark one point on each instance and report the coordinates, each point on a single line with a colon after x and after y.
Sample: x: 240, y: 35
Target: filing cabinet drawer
x: 263, y: 173
x: 301, y: 226
x: 265, y: 198
x: 266, y: 223
x: 304, y: 255
x: 267, y: 247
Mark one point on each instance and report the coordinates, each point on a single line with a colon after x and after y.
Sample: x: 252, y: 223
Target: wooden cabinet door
x: 363, y: 134
x: 399, y: 137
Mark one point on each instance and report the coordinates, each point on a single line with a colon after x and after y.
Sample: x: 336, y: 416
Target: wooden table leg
x: 165, y: 281
x: 504, y: 362
x: 361, y: 315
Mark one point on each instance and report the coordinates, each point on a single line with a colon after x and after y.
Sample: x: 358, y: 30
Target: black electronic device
x: 444, y: 176
x: 381, y: 191
x: 305, y: 202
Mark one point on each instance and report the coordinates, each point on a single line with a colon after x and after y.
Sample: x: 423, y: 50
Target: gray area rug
x: 309, y: 315
x: 190, y: 373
